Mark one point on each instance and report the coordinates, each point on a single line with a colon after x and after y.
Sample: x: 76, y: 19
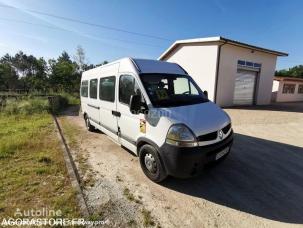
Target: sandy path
x: 259, y: 185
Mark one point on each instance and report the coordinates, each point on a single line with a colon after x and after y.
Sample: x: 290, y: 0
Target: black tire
x: 157, y: 174
x: 89, y: 127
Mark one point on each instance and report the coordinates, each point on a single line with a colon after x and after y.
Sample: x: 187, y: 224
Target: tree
x: 8, y: 77
x: 80, y: 59
x: 22, y: 71
x: 296, y: 71
x: 63, y: 74
x: 103, y: 63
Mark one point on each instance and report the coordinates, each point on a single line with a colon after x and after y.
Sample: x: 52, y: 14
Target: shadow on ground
x: 73, y: 110
x: 260, y: 177
x: 285, y: 107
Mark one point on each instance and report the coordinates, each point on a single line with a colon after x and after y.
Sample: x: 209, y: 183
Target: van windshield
x: 171, y: 90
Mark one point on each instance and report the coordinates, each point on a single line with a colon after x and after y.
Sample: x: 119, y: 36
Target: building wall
x: 200, y: 62
x: 230, y: 55
x: 275, y: 89
x: 288, y: 97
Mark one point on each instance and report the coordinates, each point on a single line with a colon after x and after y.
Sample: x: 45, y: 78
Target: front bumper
x: 185, y: 162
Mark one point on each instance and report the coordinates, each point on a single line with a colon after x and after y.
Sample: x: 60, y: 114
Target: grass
x: 118, y: 178
x: 130, y: 196
x: 71, y: 98
x: 31, y: 104
x: 147, y: 218
x: 26, y: 106
x: 132, y: 223
x: 32, y: 168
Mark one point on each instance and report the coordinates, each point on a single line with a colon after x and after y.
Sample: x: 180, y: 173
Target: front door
x: 108, y: 109
x: 130, y: 125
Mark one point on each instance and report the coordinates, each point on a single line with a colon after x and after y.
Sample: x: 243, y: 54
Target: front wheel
x: 89, y: 127
x: 151, y: 164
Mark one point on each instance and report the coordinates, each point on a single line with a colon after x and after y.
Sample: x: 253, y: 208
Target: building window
x: 300, y: 89
x: 93, y: 88
x: 289, y: 88
x: 127, y: 87
x: 107, y: 88
x: 84, y: 88
x: 243, y: 63
x: 249, y: 64
x: 257, y: 65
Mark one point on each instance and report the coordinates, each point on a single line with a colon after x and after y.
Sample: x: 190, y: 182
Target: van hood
x: 201, y: 118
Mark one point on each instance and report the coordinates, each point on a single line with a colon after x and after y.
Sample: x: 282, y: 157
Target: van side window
x: 107, y: 88
x: 84, y: 88
x: 127, y: 87
x: 93, y: 88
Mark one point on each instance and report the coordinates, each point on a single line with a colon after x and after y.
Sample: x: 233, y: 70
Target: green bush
x: 58, y: 103
x: 27, y: 106
x: 72, y: 99
x: 31, y: 104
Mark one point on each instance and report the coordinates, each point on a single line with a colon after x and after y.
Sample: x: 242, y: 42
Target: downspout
x: 217, y: 70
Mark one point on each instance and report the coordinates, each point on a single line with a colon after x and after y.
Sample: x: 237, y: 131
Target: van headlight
x: 180, y: 135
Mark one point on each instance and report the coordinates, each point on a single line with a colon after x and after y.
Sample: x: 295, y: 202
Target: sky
x: 114, y: 29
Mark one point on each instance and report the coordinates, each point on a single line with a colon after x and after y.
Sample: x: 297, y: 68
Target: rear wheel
x: 151, y: 164
x: 89, y: 127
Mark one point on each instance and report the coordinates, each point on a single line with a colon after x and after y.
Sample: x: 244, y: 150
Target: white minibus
x: 158, y: 112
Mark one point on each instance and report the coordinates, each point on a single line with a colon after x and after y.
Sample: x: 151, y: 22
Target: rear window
x: 93, y: 88
x: 107, y: 88
x: 84, y: 88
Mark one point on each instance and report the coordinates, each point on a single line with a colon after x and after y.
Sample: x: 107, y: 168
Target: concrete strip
x: 72, y: 171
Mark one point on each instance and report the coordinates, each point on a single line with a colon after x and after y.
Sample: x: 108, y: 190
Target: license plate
x: 222, y: 153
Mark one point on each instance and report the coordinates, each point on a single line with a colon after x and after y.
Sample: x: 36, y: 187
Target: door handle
x: 116, y: 113
x: 93, y: 106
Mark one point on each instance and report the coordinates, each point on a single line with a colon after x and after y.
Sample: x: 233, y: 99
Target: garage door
x: 244, y: 87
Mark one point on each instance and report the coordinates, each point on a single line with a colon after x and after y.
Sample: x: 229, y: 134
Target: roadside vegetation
x: 32, y: 168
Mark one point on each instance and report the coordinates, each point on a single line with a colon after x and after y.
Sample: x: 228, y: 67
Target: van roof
x: 142, y: 66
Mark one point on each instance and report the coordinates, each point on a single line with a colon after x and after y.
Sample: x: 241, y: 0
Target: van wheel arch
x: 89, y: 127
x: 151, y: 162
x: 84, y: 115
x: 142, y: 141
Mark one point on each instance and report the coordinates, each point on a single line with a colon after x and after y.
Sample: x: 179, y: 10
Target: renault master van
x: 158, y: 112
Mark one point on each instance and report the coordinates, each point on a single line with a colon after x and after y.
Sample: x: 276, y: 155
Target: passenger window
x: 93, y: 88
x: 84, y: 88
x: 127, y: 87
x: 107, y: 89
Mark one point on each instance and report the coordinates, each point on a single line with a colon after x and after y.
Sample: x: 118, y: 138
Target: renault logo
x: 220, y: 134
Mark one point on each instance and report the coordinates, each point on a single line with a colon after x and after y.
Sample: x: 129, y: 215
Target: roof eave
x: 219, y: 39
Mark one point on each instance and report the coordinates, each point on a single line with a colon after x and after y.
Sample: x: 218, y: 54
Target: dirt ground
x: 259, y: 185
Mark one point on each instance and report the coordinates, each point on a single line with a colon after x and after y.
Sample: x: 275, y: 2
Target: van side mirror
x: 135, y: 104
x: 205, y: 93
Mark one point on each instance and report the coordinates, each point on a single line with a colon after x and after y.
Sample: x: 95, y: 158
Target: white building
x: 233, y: 73
x: 287, y: 89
